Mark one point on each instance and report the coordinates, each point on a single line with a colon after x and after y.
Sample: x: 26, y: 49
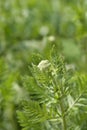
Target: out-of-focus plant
x: 32, y: 21
x: 10, y: 94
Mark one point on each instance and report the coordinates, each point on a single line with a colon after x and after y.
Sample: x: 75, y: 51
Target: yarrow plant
x: 55, y: 97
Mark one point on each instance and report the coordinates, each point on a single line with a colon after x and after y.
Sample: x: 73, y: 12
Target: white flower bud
x: 51, y: 38
x: 43, y: 64
x: 44, y: 30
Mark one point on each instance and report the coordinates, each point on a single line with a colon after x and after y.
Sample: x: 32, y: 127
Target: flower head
x: 43, y: 64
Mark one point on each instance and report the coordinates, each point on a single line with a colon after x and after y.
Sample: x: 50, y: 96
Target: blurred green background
x: 33, y: 26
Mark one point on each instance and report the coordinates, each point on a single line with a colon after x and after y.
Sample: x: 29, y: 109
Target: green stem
x: 61, y: 102
x: 63, y: 117
x: 62, y: 109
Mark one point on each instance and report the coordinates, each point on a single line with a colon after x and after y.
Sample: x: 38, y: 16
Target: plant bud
x: 44, y: 64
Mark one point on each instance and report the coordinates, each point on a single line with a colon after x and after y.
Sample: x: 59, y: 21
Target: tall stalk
x: 63, y: 117
x: 61, y: 104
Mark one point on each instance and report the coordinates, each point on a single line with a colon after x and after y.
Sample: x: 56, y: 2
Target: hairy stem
x: 63, y: 117
x: 62, y: 109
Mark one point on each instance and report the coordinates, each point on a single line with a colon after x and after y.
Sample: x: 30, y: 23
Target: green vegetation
x: 43, y: 58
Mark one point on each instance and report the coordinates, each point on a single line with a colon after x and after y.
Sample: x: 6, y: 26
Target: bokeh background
x: 29, y: 27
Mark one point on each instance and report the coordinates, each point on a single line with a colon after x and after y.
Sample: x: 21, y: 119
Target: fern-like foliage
x: 54, y: 97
